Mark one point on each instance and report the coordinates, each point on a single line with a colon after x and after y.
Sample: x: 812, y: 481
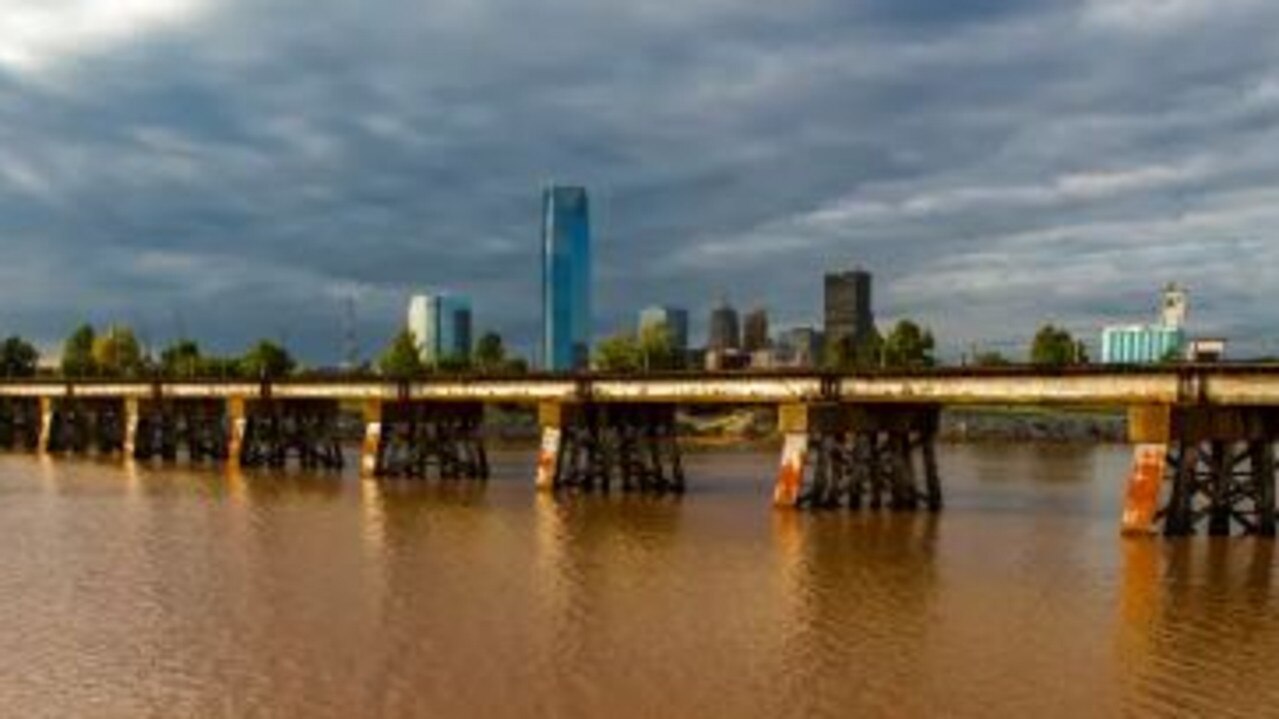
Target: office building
x: 566, y: 279
x: 800, y: 347
x: 755, y: 331
x: 850, y: 319
x: 441, y: 326
x: 674, y: 319
x: 725, y: 332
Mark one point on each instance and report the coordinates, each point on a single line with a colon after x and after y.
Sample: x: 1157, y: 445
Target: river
x: 169, y: 592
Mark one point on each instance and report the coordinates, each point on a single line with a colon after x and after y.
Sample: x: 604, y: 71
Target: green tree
x: 1054, y: 347
x: 181, y: 359
x: 220, y: 367
x: 850, y: 353
x: 18, y: 358
x: 117, y: 353
x: 657, y: 348
x: 77, y: 353
x: 490, y: 352
x: 909, y: 345
x: 453, y: 363
x: 990, y: 358
x: 619, y: 353
x: 267, y: 360
x: 401, y: 358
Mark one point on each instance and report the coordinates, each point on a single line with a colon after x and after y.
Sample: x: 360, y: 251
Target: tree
x: 850, y: 353
x: 18, y: 358
x: 619, y: 353
x: 224, y: 367
x: 267, y: 360
x: 656, y: 348
x: 117, y: 353
x: 401, y: 358
x: 77, y: 353
x: 453, y: 363
x: 909, y: 345
x: 990, y: 358
x: 181, y: 359
x: 490, y: 353
x: 1054, y: 347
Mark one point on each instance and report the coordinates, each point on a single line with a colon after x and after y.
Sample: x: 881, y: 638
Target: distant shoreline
x: 748, y: 429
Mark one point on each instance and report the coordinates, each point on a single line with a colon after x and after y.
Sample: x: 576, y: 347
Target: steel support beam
x: 1212, y: 467
x: 594, y: 446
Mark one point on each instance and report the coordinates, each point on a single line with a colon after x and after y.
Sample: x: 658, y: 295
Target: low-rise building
x: 1141, y: 344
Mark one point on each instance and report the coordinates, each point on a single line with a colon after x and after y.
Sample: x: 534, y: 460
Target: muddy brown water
x: 170, y: 592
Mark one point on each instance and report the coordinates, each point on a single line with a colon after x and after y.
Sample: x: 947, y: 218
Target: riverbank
x: 755, y: 428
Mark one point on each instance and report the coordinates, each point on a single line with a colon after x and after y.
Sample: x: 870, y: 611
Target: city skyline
x: 993, y: 173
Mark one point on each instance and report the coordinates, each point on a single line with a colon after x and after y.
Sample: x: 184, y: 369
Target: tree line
x: 115, y: 352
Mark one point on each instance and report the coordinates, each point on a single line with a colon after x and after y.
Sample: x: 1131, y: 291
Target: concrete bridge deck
x: 1218, y: 384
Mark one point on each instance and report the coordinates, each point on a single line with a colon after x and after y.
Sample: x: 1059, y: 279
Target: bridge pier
x: 1202, y: 466
x: 74, y: 425
x: 162, y: 428
x: 869, y: 456
x: 19, y: 423
x: 593, y: 445
x: 409, y: 438
x: 270, y: 431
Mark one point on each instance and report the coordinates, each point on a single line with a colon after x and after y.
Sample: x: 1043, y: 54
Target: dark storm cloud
x: 238, y: 168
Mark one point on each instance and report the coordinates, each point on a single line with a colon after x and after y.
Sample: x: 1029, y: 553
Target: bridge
x: 1203, y: 435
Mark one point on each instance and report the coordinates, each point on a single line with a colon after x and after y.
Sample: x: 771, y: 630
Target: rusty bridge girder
x: 859, y: 457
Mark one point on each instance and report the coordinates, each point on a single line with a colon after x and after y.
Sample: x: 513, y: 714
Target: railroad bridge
x: 1203, y: 435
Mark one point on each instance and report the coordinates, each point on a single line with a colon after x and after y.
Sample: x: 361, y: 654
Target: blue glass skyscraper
x: 566, y: 279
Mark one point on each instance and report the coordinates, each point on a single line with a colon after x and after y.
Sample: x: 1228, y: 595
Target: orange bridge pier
x: 1203, y: 436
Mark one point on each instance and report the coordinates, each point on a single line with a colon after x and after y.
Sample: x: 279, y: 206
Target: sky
x: 236, y: 169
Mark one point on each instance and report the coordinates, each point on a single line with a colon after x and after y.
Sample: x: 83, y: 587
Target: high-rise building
x: 674, y: 319
x: 441, y: 326
x: 566, y: 279
x: 849, y: 317
x: 755, y: 331
x: 725, y: 333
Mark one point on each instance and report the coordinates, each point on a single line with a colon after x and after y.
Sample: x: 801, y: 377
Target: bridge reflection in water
x: 1203, y: 457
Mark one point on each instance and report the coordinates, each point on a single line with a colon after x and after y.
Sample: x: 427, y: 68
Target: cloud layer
x: 238, y: 168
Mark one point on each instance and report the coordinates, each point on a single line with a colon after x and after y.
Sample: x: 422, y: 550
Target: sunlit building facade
x: 441, y: 326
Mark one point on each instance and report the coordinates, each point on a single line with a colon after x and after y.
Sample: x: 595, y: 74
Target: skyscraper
x: 755, y: 331
x: 441, y: 325
x: 725, y: 332
x: 849, y: 318
x: 674, y: 319
x: 566, y: 279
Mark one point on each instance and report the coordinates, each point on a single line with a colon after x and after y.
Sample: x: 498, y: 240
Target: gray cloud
x: 239, y: 167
